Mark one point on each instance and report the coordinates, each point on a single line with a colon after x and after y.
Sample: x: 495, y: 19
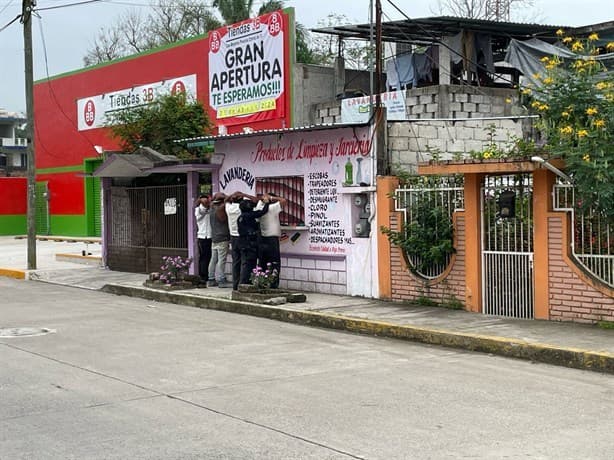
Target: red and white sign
x: 92, y: 110
x: 247, y: 70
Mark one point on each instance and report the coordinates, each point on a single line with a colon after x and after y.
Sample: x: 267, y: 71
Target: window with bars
x: 292, y: 188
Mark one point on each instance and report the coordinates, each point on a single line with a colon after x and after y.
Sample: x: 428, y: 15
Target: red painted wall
x: 14, y: 193
x: 66, y: 192
x: 58, y: 142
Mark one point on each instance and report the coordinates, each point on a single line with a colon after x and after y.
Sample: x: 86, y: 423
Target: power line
x: 66, y: 5
x: 6, y: 6
x: 18, y: 17
x: 55, y: 99
x: 445, y: 45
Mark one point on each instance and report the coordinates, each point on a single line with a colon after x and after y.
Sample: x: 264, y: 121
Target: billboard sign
x: 92, y: 111
x: 247, y: 70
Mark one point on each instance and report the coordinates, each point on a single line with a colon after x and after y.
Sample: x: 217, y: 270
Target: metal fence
x: 507, y: 246
x: 145, y: 224
x: 592, y: 244
x: 445, y: 193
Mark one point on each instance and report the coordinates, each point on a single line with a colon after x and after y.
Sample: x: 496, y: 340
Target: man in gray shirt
x: 220, y: 240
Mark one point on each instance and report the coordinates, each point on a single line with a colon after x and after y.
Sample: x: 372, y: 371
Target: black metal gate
x: 146, y: 224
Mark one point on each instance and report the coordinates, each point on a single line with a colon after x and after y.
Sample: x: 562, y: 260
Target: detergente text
x: 326, y: 234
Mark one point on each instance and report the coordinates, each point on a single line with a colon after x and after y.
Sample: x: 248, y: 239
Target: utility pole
x: 378, y: 52
x: 26, y: 19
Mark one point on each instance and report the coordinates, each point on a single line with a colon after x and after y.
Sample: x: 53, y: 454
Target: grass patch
x: 606, y: 324
x: 426, y: 302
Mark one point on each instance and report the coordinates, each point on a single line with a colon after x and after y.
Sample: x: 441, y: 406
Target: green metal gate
x: 42, y: 208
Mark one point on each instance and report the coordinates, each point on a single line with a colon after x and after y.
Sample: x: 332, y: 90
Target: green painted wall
x: 13, y: 224
x: 68, y: 225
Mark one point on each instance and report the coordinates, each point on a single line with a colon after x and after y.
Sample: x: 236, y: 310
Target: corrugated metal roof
x: 196, y: 141
x: 424, y: 31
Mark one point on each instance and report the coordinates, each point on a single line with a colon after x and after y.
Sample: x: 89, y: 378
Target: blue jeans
x: 217, y: 266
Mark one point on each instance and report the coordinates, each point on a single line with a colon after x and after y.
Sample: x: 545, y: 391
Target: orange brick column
x: 543, y: 181
x: 385, y: 207
x: 473, y: 246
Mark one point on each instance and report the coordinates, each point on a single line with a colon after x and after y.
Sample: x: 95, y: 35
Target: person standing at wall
x: 203, y: 221
x: 220, y: 240
x: 231, y: 206
x: 270, y: 232
x: 249, y: 235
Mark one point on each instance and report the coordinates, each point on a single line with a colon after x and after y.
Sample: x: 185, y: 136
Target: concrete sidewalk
x: 572, y: 345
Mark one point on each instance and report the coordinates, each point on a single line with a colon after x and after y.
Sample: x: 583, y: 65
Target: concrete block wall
x: 445, y: 101
x: 407, y: 286
x: 313, y: 85
x: 572, y: 295
x: 325, y: 275
x: 411, y: 142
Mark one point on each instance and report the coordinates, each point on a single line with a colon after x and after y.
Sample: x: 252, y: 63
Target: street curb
x: 12, y: 273
x: 79, y: 259
x: 512, y: 348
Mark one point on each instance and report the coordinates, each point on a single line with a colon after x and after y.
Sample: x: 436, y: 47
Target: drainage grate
x: 24, y: 331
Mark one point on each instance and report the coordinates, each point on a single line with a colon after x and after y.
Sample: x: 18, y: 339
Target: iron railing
x: 592, y: 243
x: 507, y: 246
x: 445, y: 194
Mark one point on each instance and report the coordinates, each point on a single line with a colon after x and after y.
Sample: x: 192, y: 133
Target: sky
x: 62, y: 36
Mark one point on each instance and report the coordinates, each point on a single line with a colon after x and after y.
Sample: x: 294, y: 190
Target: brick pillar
x: 385, y: 207
x: 543, y: 181
x: 473, y: 239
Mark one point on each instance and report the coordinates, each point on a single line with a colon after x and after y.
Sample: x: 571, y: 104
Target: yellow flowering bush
x: 576, y: 105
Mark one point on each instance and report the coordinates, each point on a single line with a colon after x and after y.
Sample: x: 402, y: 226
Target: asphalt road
x: 122, y: 378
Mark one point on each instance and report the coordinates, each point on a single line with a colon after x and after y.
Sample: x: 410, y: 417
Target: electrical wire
x: 6, y: 6
x: 55, y: 99
x: 67, y: 5
x: 16, y: 18
x: 445, y: 45
x: 441, y: 70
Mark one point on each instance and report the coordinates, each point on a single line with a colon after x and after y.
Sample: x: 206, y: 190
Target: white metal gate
x: 507, y: 246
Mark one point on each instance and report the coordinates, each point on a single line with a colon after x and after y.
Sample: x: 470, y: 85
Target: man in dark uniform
x: 249, y: 232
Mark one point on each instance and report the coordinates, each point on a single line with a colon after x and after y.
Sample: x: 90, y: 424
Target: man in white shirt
x: 203, y: 221
x: 270, y: 231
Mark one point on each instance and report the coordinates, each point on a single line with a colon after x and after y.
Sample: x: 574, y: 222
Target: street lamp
x: 552, y: 168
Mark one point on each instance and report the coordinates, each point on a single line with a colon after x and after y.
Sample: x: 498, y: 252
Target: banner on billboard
x: 247, y: 70
x: 92, y: 111
x: 356, y: 109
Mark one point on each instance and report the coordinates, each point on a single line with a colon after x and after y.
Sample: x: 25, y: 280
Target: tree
x: 325, y: 47
x: 156, y: 125
x: 492, y: 10
x: 576, y: 104
x: 174, y: 20
x: 168, y: 22
x: 237, y: 10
